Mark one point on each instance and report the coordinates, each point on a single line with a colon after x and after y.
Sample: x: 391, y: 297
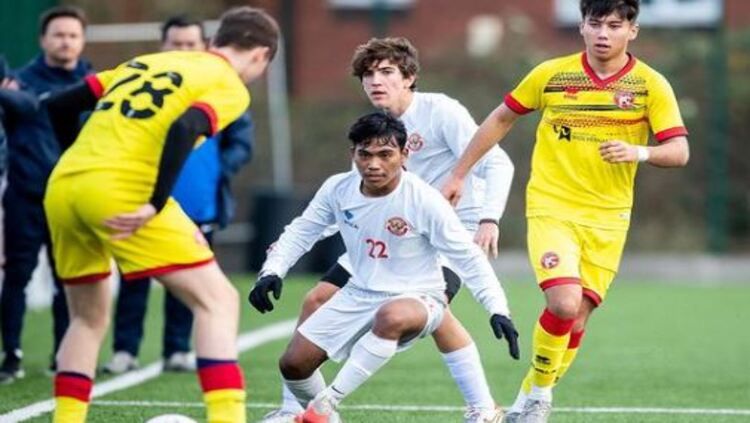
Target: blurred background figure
x: 203, y: 191
x: 33, y: 152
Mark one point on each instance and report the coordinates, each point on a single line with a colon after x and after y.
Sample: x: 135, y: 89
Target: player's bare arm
x: 490, y: 132
x: 674, y: 152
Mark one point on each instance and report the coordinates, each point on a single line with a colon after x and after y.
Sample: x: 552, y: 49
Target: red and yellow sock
x: 72, y: 396
x: 551, y: 339
x: 223, y: 390
x: 570, y: 354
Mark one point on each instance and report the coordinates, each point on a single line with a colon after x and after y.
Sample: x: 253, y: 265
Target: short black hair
x: 61, y: 12
x: 181, y: 21
x: 378, y: 126
x: 625, y: 9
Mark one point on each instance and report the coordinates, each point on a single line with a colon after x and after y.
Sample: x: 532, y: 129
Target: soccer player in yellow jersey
x: 597, y: 109
x: 108, y: 198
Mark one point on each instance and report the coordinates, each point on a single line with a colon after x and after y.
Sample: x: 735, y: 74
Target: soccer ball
x: 171, y: 418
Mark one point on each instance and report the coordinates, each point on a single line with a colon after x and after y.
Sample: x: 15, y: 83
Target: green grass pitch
x: 651, y: 345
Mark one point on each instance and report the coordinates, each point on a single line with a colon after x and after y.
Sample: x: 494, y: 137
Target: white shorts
x: 339, y: 323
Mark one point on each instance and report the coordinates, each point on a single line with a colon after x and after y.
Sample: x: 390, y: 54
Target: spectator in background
x: 33, y: 152
x: 202, y: 191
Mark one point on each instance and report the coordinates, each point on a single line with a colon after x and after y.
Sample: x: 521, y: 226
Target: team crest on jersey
x: 415, y: 142
x: 550, y: 260
x: 397, y: 226
x: 624, y: 99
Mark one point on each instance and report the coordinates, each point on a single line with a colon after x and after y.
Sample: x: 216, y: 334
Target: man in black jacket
x: 33, y: 152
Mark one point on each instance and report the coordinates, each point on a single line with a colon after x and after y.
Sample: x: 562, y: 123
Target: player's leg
x: 554, y: 251
x: 331, y: 282
x: 460, y: 355
x: 599, y: 263
x: 24, y: 234
x: 178, y: 325
x: 299, y: 369
x: 83, y: 264
x: 397, y: 324
x: 215, y: 306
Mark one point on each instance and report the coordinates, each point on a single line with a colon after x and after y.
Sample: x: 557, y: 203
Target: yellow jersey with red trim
x: 138, y: 102
x: 569, y: 179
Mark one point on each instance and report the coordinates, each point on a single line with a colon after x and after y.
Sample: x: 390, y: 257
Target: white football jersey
x: 393, y: 241
x: 439, y: 129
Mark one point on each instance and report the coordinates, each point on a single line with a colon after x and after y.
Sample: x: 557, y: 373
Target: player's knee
x: 391, y: 321
x: 565, y: 308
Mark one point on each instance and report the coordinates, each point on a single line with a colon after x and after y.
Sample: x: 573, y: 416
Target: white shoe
x: 483, y: 415
x: 535, y: 411
x: 279, y: 416
x: 121, y: 362
x: 180, y: 362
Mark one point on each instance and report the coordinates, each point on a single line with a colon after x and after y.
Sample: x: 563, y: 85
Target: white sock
x: 541, y: 394
x: 517, y: 406
x: 466, y: 368
x: 289, y: 402
x: 306, y: 389
x: 368, y: 355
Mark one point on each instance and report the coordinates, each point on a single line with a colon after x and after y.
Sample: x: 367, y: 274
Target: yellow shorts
x: 76, y: 207
x: 563, y: 252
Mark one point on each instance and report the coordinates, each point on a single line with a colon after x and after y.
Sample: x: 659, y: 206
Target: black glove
x: 502, y: 325
x: 259, y: 295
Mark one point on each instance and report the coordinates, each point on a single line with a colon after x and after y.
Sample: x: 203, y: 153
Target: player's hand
x: 10, y: 84
x: 258, y: 297
x: 618, y: 152
x: 452, y: 189
x: 487, y: 238
x: 126, y: 224
x: 503, y: 326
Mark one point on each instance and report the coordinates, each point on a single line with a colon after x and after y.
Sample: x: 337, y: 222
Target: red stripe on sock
x: 555, y: 325
x: 575, y: 339
x: 221, y: 376
x: 73, y: 386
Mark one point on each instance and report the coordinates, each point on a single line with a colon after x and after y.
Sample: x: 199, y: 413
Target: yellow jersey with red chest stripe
x: 140, y: 99
x: 580, y: 111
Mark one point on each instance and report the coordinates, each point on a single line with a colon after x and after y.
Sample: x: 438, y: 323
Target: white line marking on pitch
x: 246, y: 341
x: 451, y: 409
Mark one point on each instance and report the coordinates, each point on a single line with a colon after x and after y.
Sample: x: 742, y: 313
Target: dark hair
x: 180, y: 21
x: 625, y: 9
x: 247, y: 27
x: 378, y: 126
x: 397, y: 50
x: 61, y: 12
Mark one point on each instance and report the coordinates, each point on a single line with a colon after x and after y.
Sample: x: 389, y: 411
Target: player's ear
x: 634, y: 28
x: 352, y: 150
x: 260, y: 54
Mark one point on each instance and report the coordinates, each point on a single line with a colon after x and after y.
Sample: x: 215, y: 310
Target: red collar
x: 601, y: 83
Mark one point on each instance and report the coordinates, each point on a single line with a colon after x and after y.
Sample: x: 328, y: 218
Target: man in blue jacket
x: 203, y: 192
x: 33, y: 152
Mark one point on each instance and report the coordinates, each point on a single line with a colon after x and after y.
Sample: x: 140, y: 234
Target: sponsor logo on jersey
x: 624, y: 99
x: 550, y: 260
x: 397, y: 226
x: 415, y: 142
x: 348, y: 217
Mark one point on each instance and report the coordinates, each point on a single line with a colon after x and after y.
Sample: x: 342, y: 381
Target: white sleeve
x: 304, y: 231
x: 496, y: 169
x: 453, y: 241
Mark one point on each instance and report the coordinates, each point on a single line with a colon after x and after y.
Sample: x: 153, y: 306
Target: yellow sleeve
x: 527, y: 96
x: 224, y: 102
x: 663, y: 111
